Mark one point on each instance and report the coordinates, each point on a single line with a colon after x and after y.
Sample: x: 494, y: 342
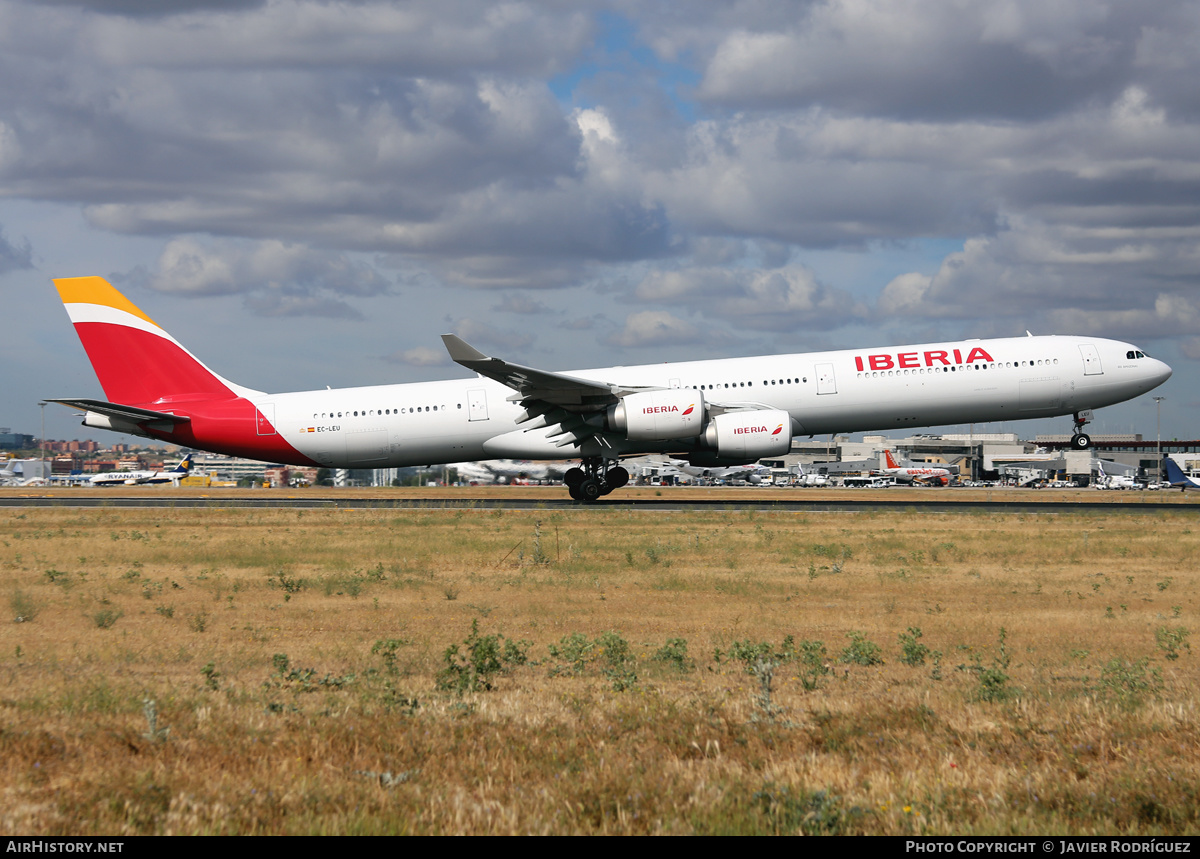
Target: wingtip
x: 460, y: 350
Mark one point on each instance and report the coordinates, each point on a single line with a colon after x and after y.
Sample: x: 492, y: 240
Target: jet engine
x: 674, y: 413
x: 747, y: 436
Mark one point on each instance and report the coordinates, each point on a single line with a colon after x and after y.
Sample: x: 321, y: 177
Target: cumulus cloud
x: 937, y: 59
x: 1068, y: 279
x: 503, y: 146
x: 277, y: 278
x: 516, y: 302
x: 766, y: 300
x: 420, y: 356
x: 656, y: 328
x: 485, y: 334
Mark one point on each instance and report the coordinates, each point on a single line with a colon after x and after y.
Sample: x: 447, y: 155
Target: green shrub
x: 861, y: 651
x: 912, y: 652
x: 674, y: 653
x: 482, y: 658
x: 1170, y: 639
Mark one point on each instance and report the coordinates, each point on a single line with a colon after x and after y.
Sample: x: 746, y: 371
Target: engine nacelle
x: 748, y: 436
x: 675, y: 413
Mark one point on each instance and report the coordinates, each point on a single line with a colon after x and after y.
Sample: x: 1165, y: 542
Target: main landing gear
x: 599, y: 476
x: 1079, y: 439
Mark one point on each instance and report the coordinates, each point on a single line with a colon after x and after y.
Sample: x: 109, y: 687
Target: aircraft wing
x: 567, y: 402
x: 558, y: 389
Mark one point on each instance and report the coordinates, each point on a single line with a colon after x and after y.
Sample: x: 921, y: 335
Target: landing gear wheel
x: 616, y: 478
x: 1081, y: 441
x: 573, y: 491
x: 589, y: 490
x: 573, y: 478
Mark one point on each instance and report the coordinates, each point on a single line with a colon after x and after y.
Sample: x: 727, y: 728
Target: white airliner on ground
x: 135, y: 478
x: 916, y: 473
x: 506, y: 471
x: 717, y: 412
x: 684, y: 471
x: 1113, y: 481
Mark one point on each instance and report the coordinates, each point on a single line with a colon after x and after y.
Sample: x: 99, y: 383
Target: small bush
x: 1170, y: 639
x: 861, y: 651
x: 801, y: 812
x: 1129, y: 682
x: 674, y: 654
x: 106, y: 618
x: 23, y: 606
x: 575, y: 650
x: 212, y: 677
x: 482, y: 658
x: 993, y: 680
x: 609, y: 651
x: 619, y: 664
x: 912, y: 652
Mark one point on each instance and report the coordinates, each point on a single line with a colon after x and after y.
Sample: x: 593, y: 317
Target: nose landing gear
x: 595, y: 478
x: 1079, y: 439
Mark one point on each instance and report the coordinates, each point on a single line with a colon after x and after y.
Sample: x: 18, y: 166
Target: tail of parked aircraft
x: 184, y: 467
x: 891, y: 463
x: 137, y: 362
x: 1176, y: 477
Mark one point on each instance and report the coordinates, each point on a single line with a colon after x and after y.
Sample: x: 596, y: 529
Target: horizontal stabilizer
x: 130, y: 414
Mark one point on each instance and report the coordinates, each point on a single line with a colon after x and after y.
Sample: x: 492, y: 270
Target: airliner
x: 721, y: 412
x: 136, y: 478
x: 915, y: 473
x: 1113, y: 481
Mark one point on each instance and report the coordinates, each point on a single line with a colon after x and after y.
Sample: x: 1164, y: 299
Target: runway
x: 664, y: 500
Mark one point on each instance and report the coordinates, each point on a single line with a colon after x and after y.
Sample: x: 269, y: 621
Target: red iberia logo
x: 932, y: 358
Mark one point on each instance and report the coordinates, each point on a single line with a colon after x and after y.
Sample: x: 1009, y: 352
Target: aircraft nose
x: 1160, y: 372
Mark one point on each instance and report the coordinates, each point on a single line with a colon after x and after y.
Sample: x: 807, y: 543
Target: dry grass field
x: 592, y: 671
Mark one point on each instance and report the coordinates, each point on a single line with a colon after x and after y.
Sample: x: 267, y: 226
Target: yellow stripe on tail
x: 96, y: 290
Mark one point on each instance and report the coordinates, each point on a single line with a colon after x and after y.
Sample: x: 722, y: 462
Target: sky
x: 309, y: 193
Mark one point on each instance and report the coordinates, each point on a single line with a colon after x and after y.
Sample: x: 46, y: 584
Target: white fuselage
x: 823, y: 392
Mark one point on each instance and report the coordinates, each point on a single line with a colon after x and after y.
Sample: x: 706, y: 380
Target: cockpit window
x: 1134, y: 354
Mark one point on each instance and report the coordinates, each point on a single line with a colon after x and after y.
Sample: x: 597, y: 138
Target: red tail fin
x: 891, y: 463
x: 136, y: 361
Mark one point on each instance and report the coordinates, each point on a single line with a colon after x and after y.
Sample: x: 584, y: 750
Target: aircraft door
x: 265, y: 414
x: 826, y: 382
x: 1091, y: 360
x: 477, y: 405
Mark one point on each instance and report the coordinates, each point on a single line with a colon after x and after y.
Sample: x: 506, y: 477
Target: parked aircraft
x: 1113, y: 481
x: 719, y: 412
x: 506, y: 471
x: 134, y: 478
x: 23, y: 472
x: 916, y: 473
x: 683, y: 470
x: 1176, y: 477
